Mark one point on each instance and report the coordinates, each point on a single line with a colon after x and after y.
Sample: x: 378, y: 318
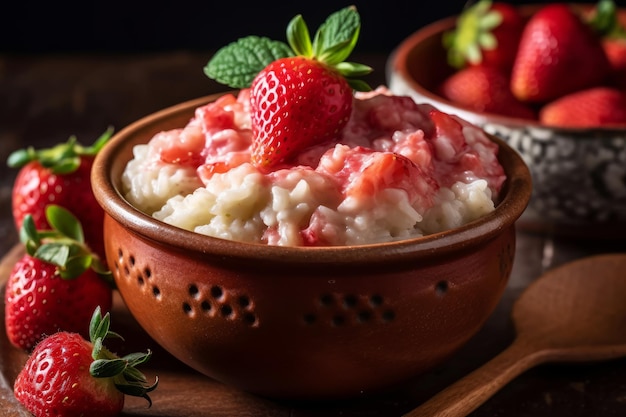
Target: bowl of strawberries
x: 296, y: 239
x: 548, y: 79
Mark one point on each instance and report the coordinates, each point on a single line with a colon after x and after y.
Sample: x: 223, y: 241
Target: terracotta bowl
x: 304, y: 323
x: 579, y: 175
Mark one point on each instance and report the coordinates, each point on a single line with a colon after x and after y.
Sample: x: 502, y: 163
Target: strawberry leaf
x: 21, y: 157
x: 65, y: 222
x: 604, y: 20
x: 99, y: 143
x: 473, y: 32
x: 75, y: 266
x: 107, y: 368
x: 358, y: 85
x: 135, y: 359
x: 54, y: 253
x: 126, y: 377
x: 63, y: 158
x: 352, y: 69
x: 239, y: 62
x: 299, y: 38
x: 29, y: 235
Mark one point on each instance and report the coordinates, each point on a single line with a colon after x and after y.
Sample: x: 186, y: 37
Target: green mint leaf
x: 340, y: 28
x: 238, y: 63
x: 65, y: 222
x: 299, y: 38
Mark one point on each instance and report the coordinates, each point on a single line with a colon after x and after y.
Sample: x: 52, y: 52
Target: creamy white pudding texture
x: 398, y: 170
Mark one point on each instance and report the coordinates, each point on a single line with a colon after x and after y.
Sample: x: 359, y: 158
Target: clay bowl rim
x: 514, y: 198
x: 398, y: 64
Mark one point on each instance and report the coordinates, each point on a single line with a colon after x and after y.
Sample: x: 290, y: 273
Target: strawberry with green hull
x: 605, y: 21
x: 558, y: 54
x: 59, y: 175
x: 69, y: 376
x: 301, y: 93
x: 487, y: 33
x: 57, y: 284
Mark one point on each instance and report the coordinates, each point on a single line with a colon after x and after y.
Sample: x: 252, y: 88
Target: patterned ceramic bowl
x: 579, y: 175
x: 297, y: 322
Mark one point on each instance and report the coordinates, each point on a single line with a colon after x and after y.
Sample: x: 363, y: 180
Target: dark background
x: 28, y: 27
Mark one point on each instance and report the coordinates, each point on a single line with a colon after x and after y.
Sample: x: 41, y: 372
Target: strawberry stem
x: 63, y: 245
x: 106, y: 364
x: 604, y: 20
x: 63, y: 158
x: 238, y: 63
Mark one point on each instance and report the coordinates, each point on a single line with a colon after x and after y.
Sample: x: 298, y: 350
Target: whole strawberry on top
x: 301, y: 93
x: 59, y: 175
x: 57, y: 284
x: 486, y: 33
x: 69, y: 376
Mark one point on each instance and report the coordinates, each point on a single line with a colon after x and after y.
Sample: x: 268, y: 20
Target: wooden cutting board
x: 182, y: 392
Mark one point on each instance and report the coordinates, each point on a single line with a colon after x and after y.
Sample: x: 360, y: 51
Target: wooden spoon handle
x: 468, y: 393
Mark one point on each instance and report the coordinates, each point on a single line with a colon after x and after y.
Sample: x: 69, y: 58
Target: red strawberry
x: 484, y: 89
x: 59, y: 175
x: 486, y: 33
x: 56, y: 285
x: 298, y: 94
x: 295, y: 103
x: 615, y: 49
x: 604, y: 19
x: 600, y: 106
x: 558, y: 54
x: 67, y: 375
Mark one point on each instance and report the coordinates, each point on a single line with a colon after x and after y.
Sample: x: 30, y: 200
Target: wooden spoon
x: 573, y: 313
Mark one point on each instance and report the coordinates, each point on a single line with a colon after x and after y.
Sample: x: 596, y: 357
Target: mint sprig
x: 238, y: 63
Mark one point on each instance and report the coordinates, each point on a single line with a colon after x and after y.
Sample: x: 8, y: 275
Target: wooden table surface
x: 45, y: 99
